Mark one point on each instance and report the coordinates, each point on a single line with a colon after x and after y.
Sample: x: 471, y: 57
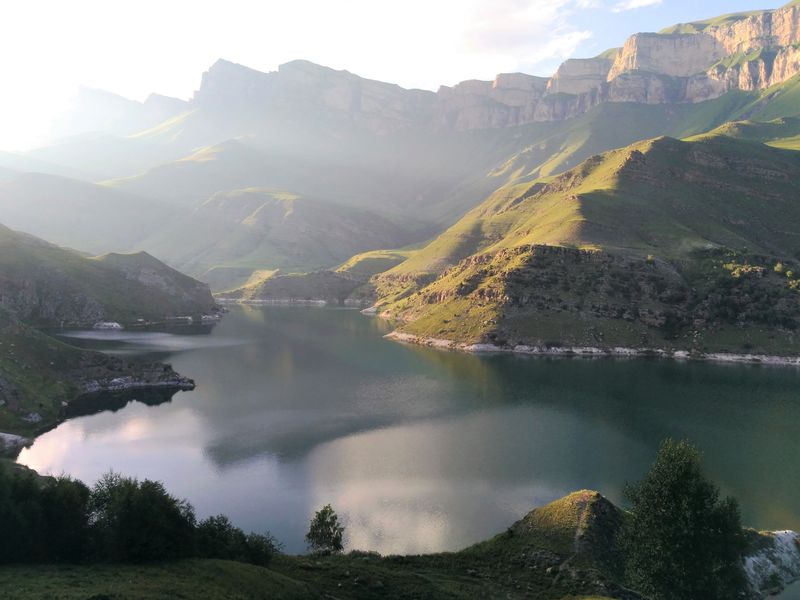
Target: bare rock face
x: 306, y: 87
x: 695, y: 63
x: 766, y: 29
x: 510, y: 99
x: 580, y: 76
x: 676, y: 55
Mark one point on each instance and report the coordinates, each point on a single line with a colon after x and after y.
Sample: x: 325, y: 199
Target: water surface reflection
x: 421, y: 450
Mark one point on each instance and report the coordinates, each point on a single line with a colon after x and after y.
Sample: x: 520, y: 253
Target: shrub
x: 218, y: 538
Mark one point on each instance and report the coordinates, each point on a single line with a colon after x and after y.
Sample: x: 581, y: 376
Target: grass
x: 208, y: 579
x: 33, y: 367
x: 515, y: 564
x: 290, y: 578
x: 367, y: 264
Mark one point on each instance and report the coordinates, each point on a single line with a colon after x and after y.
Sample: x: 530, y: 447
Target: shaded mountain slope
x: 234, y: 233
x: 48, y: 285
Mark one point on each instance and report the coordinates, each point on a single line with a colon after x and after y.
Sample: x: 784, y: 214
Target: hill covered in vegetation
x: 680, y: 245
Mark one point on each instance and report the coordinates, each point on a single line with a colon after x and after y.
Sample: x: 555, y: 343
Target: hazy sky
x: 134, y: 47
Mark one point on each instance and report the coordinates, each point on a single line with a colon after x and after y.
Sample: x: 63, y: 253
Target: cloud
x: 530, y: 34
x: 633, y: 4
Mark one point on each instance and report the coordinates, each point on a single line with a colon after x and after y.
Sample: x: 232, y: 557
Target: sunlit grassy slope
x: 694, y: 217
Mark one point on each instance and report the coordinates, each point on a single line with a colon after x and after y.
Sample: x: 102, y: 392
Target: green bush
x: 218, y: 538
x: 680, y: 540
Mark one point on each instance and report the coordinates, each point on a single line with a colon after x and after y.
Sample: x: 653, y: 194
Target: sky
x: 134, y: 47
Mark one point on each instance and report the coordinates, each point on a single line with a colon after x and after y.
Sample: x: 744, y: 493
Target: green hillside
x: 423, y: 183
x: 667, y: 244
x: 47, y: 285
x: 780, y: 133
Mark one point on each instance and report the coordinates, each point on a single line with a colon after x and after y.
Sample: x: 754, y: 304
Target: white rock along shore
x: 591, y: 351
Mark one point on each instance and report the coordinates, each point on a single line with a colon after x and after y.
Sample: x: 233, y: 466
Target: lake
x: 420, y: 450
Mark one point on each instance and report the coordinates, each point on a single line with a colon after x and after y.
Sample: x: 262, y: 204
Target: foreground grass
x: 289, y: 578
x: 209, y: 579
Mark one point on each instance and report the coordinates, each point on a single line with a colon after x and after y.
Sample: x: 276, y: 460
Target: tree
x: 139, y: 521
x: 680, y: 540
x: 65, y: 512
x: 325, y: 534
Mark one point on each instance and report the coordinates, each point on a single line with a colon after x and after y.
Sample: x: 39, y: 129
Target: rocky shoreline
x: 167, y: 381
x: 594, y: 352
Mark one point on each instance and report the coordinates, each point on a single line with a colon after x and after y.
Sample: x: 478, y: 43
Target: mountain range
x: 309, y: 182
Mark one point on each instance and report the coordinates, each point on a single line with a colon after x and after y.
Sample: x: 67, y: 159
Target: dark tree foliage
x: 218, y: 538
x: 680, y: 540
x: 45, y: 519
x: 139, y: 521
x: 65, y: 506
x: 325, y: 534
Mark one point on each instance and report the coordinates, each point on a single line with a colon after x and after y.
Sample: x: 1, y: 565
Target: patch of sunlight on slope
x: 172, y: 126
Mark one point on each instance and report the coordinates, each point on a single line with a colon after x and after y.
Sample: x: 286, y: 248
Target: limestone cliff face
x: 765, y: 29
x: 675, y: 55
x: 511, y: 99
x: 687, y: 63
x: 580, y: 76
x: 306, y: 87
x: 760, y: 71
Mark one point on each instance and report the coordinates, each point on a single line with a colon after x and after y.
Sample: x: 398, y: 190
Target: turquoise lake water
x: 420, y: 450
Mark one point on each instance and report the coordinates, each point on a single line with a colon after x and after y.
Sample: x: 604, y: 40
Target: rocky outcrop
x: 686, y: 64
x: 760, y: 70
x: 773, y: 561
